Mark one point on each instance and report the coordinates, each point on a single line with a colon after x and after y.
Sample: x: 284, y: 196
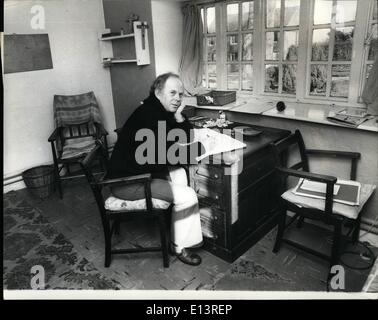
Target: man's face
x: 171, y: 95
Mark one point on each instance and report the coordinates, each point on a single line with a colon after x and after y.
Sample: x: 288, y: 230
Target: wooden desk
x: 238, y: 210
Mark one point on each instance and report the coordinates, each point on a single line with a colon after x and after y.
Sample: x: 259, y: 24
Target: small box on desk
x: 216, y: 98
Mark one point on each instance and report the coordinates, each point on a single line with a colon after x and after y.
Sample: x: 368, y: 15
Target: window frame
x: 358, y: 62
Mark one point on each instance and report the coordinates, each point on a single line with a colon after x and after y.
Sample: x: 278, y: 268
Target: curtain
x: 191, y: 60
x: 370, y: 92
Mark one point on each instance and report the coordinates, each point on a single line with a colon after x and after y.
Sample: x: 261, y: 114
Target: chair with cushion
x: 325, y: 210
x: 113, y: 210
x: 77, y: 127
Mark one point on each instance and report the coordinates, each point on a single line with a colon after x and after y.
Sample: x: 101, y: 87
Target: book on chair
x: 346, y: 192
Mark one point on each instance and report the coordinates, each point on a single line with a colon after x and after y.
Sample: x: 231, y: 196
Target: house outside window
x: 266, y: 47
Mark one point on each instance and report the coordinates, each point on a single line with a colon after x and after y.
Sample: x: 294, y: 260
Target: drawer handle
x: 216, y: 197
x: 216, y: 176
x: 215, y: 218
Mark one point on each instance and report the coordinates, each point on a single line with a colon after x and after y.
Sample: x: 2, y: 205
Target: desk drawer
x: 258, y: 167
x: 212, y: 224
x: 210, y: 195
x: 212, y: 173
x: 212, y: 215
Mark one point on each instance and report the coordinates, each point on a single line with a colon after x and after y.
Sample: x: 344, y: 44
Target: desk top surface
x: 253, y: 143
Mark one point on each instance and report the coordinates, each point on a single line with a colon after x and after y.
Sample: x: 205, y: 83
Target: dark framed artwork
x: 26, y: 52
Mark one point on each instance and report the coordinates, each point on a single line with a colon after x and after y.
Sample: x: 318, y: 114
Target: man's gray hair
x: 160, y: 81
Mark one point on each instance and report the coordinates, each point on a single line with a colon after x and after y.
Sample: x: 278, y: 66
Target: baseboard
x: 14, y: 186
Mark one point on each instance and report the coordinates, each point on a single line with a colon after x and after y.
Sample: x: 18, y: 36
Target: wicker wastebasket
x: 40, y: 180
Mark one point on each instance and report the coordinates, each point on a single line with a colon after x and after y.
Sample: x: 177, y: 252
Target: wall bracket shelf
x: 140, y: 36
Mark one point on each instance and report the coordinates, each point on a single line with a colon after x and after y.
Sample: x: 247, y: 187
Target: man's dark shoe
x: 188, y: 257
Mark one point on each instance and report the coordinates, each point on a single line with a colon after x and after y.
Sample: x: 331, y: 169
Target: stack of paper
x: 345, y: 191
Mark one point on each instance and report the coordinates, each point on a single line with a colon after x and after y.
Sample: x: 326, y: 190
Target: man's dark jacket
x: 146, y: 116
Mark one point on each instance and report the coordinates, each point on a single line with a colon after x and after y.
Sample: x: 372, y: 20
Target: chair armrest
x: 54, y: 135
x: 335, y: 153
x: 141, y: 178
x: 329, y: 180
x: 307, y: 175
x: 101, y: 130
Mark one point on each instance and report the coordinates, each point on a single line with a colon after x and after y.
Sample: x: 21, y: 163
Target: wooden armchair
x: 113, y: 215
x: 78, y: 126
x: 328, y: 211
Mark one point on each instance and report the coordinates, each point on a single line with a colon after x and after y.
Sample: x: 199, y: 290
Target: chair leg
x: 163, y: 239
x: 356, y: 231
x: 300, y: 222
x: 58, y: 181
x: 108, y: 244
x: 280, y: 231
x: 336, y: 244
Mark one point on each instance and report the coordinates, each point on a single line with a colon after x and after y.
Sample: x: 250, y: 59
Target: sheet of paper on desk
x: 215, y: 142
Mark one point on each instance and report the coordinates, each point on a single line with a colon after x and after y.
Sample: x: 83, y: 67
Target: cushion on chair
x: 345, y: 210
x: 115, y: 204
x: 77, y: 147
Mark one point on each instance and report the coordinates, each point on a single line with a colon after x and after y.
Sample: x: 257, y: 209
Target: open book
x: 345, y: 191
x: 215, y: 142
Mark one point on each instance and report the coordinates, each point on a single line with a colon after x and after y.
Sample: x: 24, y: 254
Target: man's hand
x: 178, y: 116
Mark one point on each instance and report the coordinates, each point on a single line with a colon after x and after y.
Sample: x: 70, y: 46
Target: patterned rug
x: 30, y: 240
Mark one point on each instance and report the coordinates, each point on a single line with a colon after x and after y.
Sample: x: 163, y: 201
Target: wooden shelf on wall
x: 141, y: 46
x: 130, y: 35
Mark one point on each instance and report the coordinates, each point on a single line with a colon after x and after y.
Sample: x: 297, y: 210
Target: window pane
x: 211, y: 49
x: 318, y: 80
x: 271, y: 78
x: 289, y: 77
x: 343, y: 44
x: 233, y: 76
x: 273, y: 13
x: 346, y: 11
x: 247, y: 15
x: 340, y: 80
x: 212, y: 75
x: 320, y: 43
x: 247, y: 76
x: 373, y: 48
x: 375, y: 11
x: 322, y: 11
x: 202, y: 19
x: 291, y: 45
x: 210, y: 20
x: 232, y: 48
x: 233, y: 17
x: 247, y: 46
x: 368, y: 69
x: 291, y: 12
x: 272, y: 45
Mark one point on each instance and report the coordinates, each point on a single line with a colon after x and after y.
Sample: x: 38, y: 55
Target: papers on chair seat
x: 318, y: 186
x: 345, y: 191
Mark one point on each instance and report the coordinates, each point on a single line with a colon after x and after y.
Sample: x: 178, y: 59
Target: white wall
x: 72, y: 26
x: 167, y: 22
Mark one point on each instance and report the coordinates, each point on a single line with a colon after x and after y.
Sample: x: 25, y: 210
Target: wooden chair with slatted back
x: 78, y: 126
